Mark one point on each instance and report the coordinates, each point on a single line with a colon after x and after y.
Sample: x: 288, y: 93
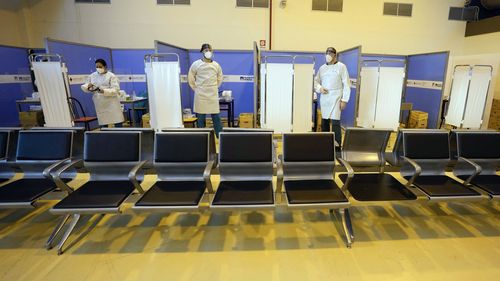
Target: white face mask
x: 328, y: 58
x: 100, y: 70
x: 208, y: 55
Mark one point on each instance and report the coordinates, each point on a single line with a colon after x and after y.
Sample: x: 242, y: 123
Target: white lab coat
x: 107, y: 104
x: 205, y: 78
x: 335, y: 79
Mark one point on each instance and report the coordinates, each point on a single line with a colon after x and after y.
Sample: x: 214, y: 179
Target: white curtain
x: 458, y: 96
x: 367, y: 96
x: 164, y: 94
x: 390, y: 91
x: 381, y: 90
x: 302, y: 97
x: 53, y: 97
x: 476, y: 98
x: 278, y: 97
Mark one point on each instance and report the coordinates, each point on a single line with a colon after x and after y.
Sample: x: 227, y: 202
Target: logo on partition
x: 246, y: 78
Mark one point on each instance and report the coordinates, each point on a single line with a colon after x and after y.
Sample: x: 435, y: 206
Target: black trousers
x: 325, y: 127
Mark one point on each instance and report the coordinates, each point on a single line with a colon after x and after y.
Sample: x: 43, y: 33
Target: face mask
x: 329, y: 58
x: 100, y: 70
x: 208, y: 55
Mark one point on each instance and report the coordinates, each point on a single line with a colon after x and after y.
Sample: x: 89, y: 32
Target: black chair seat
x: 489, y: 183
x: 244, y: 193
x: 377, y: 187
x: 25, y: 190
x: 313, y: 192
x: 97, y: 194
x: 178, y: 193
x: 442, y: 186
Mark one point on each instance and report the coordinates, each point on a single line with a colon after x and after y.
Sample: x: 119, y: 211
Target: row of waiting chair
x: 184, y: 159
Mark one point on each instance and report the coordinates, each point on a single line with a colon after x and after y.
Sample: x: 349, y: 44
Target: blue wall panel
x: 80, y: 61
x: 14, y: 62
x: 430, y: 67
x: 233, y: 63
x: 351, y: 60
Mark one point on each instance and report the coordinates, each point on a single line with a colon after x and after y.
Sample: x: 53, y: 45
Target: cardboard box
x: 31, y: 118
x: 245, y: 120
x: 494, y: 122
x: 146, y: 121
x: 418, y: 119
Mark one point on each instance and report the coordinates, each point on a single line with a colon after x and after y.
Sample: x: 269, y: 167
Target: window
x: 94, y: 1
x: 464, y: 13
x: 398, y: 9
x: 327, y: 5
x: 173, y: 2
x: 252, y: 3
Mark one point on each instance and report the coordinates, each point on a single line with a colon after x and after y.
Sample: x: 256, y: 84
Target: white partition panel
x: 390, y: 91
x: 367, y: 96
x: 164, y: 94
x: 302, y: 97
x: 476, y: 98
x: 458, y: 96
x: 278, y: 97
x: 49, y: 78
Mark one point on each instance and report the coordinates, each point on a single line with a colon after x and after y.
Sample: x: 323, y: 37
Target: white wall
x: 137, y: 23
x: 13, y: 28
x: 362, y: 23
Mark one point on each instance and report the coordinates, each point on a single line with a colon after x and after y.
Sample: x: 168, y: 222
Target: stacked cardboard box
x: 146, y: 120
x: 494, y: 122
x: 245, y: 120
x: 31, y: 118
x: 418, y: 119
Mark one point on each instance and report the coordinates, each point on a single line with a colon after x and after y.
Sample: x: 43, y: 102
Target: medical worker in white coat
x: 205, y: 77
x: 105, y: 88
x: 333, y: 84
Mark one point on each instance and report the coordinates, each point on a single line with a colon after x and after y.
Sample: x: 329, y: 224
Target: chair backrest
x: 365, y: 147
x: 429, y: 148
x: 77, y: 108
x: 78, y: 134
x: 308, y: 155
x: 44, y: 145
x: 147, y: 140
x: 246, y: 130
x: 246, y: 155
x: 478, y: 144
x: 4, y: 144
x: 111, y: 155
x: 426, y: 144
x: 212, y: 145
x: 181, y: 155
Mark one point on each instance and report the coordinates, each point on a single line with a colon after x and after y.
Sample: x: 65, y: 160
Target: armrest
x: 206, y: 175
x: 279, y: 174
x: 417, y: 169
x: 132, y: 175
x: 350, y: 172
x: 477, y: 169
x: 48, y: 171
x: 57, y: 175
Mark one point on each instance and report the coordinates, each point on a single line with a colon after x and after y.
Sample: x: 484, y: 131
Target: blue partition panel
x: 236, y: 67
x: 15, y: 82
x: 131, y: 62
x: 80, y: 61
x: 427, y: 67
x: 187, y: 99
x: 351, y: 59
